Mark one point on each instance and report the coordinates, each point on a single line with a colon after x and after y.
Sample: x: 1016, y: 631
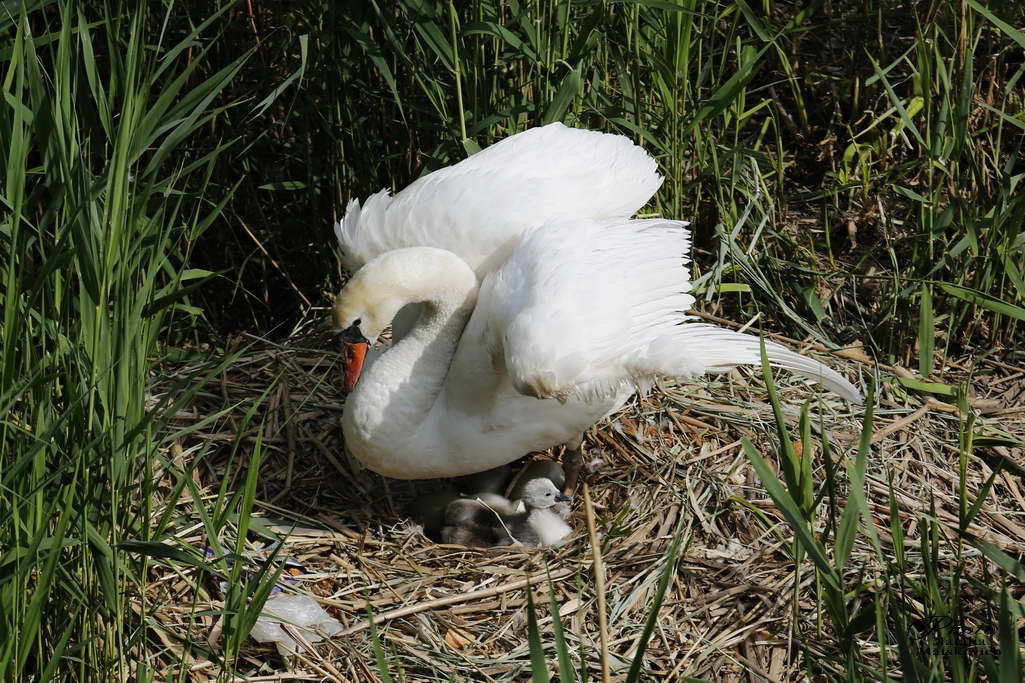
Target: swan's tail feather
x: 716, y: 350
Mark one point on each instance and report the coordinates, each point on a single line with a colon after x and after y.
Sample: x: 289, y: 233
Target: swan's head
x: 371, y: 298
x: 542, y: 493
x: 361, y: 312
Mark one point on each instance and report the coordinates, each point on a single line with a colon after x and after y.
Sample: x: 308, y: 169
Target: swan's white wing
x: 480, y: 207
x: 576, y: 307
x: 585, y: 308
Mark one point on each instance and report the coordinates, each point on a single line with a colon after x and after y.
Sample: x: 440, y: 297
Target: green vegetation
x: 951, y: 643
x: 853, y: 171
x: 101, y: 208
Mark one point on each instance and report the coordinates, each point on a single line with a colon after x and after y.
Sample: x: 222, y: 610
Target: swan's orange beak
x: 355, y: 353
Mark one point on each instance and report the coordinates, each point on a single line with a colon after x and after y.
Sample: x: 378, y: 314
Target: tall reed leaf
x: 100, y: 197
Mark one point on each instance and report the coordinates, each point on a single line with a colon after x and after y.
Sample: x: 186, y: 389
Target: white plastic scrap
x: 302, y: 614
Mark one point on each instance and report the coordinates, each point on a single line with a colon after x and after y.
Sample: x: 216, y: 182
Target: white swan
x: 532, y: 328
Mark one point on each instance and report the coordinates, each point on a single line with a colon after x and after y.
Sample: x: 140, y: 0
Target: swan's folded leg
x: 572, y: 463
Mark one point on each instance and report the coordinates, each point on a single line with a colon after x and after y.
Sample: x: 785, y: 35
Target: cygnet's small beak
x: 562, y: 498
x: 354, y: 352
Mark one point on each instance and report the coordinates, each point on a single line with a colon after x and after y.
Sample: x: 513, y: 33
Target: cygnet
x: 537, y: 524
x: 472, y: 521
x: 538, y: 469
x: 428, y: 510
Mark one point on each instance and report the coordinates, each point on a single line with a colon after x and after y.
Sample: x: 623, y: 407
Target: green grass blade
x: 895, y: 100
x: 538, y: 663
x: 1010, y: 31
x: 566, y: 672
x: 926, y: 332
x: 792, y: 512
x: 1010, y: 657
x: 375, y: 644
x: 1010, y: 565
x: 668, y: 571
x: 983, y: 300
x: 571, y: 88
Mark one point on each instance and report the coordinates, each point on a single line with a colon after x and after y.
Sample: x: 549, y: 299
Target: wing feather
x: 482, y: 206
x: 589, y: 308
x: 577, y: 305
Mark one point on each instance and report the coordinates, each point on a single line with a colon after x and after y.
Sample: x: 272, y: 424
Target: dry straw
x: 736, y: 606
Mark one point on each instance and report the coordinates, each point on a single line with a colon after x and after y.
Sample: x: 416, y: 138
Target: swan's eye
x: 353, y: 334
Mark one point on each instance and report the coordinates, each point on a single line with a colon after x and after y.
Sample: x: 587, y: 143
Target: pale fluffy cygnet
x: 536, y: 517
x: 541, y: 469
x: 538, y: 524
x: 535, y: 469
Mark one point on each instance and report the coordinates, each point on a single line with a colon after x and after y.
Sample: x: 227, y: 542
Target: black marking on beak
x: 354, y: 352
x: 562, y: 498
x: 352, y: 335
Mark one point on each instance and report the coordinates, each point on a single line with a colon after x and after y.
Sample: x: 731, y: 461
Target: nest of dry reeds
x: 736, y: 608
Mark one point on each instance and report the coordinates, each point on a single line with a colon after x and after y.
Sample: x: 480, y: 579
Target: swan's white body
x: 544, y: 306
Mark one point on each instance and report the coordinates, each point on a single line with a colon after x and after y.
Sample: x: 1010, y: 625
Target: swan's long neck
x: 390, y: 410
